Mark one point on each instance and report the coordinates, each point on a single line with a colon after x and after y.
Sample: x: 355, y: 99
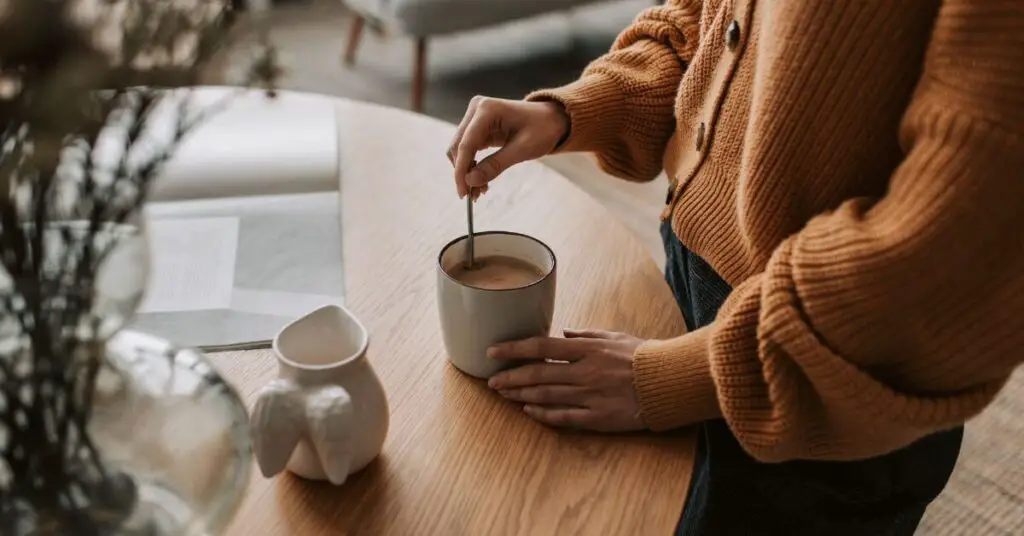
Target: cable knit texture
x: 856, y: 174
x: 623, y: 102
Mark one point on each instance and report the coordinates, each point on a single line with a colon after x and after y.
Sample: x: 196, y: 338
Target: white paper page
x: 192, y: 264
x: 285, y: 304
x: 287, y: 262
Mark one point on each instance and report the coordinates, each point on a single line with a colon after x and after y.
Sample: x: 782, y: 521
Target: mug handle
x: 329, y: 417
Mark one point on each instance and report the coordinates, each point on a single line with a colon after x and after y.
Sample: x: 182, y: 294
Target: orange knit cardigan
x: 855, y: 171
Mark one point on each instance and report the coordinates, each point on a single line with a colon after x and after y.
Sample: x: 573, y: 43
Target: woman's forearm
x: 621, y: 108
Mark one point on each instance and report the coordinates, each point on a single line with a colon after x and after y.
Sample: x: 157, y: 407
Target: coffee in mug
x: 496, y: 272
x: 508, y: 294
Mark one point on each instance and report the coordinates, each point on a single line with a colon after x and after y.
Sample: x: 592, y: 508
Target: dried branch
x: 83, y: 86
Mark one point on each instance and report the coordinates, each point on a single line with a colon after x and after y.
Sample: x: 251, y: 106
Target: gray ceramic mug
x: 473, y: 319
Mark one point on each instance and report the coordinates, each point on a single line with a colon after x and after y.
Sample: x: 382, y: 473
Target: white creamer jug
x: 326, y: 415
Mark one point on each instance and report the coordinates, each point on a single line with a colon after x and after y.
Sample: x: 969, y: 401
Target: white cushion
x: 255, y: 146
x: 432, y: 17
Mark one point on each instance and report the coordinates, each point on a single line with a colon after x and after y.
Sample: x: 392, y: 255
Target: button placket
x: 734, y: 43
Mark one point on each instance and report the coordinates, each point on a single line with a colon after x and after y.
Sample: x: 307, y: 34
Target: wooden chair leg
x: 419, y: 77
x: 355, y: 34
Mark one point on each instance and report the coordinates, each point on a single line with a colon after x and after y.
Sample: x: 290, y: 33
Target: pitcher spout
x: 330, y: 337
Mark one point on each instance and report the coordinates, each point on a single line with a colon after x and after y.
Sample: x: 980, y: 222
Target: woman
x: 844, y: 236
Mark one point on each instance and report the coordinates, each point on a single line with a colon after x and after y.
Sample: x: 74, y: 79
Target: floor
x: 986, y: 493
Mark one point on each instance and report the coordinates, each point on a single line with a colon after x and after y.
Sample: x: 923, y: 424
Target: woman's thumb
x: 489, y: 168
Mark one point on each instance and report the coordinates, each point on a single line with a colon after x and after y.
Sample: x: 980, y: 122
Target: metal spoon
x: 470, y: 254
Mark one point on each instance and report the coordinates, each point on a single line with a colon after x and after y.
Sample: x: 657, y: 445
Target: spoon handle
x: 471, y: 254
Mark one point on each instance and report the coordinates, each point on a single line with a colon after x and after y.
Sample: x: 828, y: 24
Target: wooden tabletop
x: 459, y: 460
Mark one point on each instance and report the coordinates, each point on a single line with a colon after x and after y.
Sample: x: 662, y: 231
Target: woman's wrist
x: 562, y: 120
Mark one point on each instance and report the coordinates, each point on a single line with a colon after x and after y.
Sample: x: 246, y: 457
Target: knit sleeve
x: 890, y: 318
x: 621, y: 108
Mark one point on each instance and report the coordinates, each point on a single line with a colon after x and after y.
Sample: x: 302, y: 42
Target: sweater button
x: 700, y: 136
x: 732, y: 35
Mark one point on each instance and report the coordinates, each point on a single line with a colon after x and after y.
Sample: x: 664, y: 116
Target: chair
x: 423, y: 19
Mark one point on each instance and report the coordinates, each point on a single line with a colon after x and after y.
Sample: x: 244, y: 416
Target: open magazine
x: 244, y: 226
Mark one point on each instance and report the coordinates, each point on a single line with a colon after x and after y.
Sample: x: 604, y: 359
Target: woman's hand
x: 590, y: 387
x: 523, y: 131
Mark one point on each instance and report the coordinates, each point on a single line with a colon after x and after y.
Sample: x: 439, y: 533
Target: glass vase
x: 105, y: 430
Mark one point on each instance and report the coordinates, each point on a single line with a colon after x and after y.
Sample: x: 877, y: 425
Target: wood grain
x: 458, y: 459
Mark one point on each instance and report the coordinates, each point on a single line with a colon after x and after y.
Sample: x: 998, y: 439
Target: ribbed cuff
x: 673, y: 381
x: 596, y: 111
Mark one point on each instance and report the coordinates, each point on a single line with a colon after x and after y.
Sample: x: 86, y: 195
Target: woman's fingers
x: 590, y: 334
x: 541, y: 348
x: 534, y: 375
x: 473, y: 140
x: 489, y: 168
x: 521, y: 130
x: 457, y: 143
x: 548, y: 395
x: 453, y: 149
x: 477, y: 192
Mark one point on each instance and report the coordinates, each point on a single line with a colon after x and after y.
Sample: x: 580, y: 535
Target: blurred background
x: 509, y: 59
x: 497, y: 60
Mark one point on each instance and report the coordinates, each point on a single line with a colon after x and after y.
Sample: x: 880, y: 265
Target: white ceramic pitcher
x: 326, y: 415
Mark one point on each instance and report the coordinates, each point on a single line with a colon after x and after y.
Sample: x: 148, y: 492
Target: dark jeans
x: 731, y: 493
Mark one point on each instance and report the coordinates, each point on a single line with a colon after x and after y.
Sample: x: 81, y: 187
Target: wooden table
x: 459, y: 460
